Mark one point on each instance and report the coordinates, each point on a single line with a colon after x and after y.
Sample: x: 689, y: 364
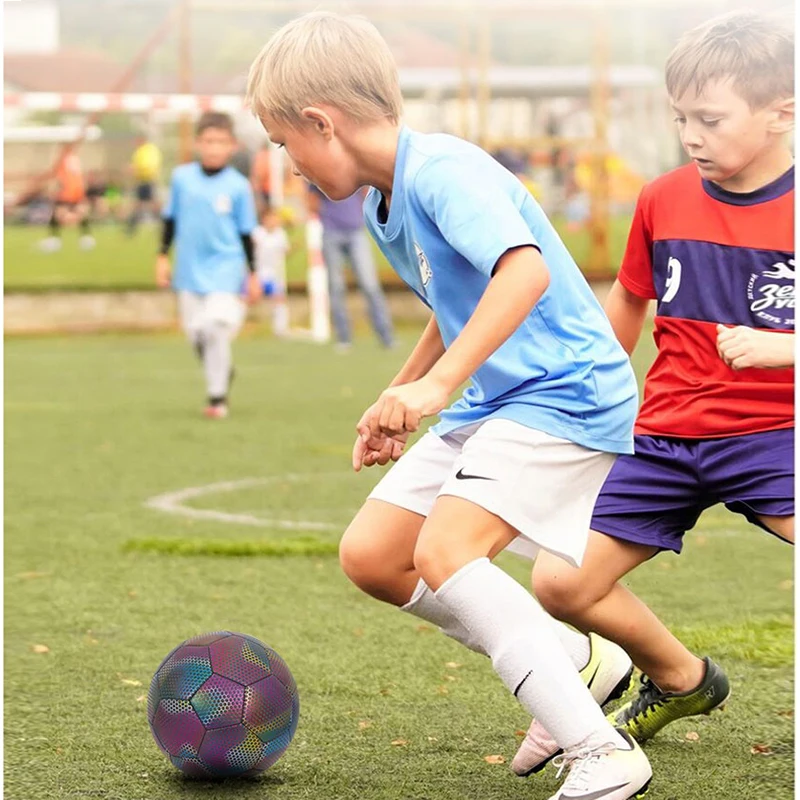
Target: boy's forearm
x: 520, y: 280
x: 626, y: 312
x: 426, y: 353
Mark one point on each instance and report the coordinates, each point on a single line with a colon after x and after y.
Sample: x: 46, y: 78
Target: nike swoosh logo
x: 593, y: 795
x: 462, y: 476
x: 519, y: 686
x: 594, y: 675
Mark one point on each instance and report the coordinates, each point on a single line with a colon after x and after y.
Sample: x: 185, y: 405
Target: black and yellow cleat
x: 651, y: 710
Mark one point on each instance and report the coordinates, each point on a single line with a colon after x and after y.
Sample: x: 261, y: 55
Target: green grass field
x: 390, y: 709
x: 119, y: 262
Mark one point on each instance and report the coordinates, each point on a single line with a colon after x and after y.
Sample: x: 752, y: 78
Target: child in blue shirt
x: 211, y: 216
x: 519, y: 459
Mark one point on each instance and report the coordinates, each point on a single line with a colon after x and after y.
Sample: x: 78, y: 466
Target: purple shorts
x: 656, y: 495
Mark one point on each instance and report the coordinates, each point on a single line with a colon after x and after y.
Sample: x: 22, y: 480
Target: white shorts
x: 543, y: 486
x: 198, y: 311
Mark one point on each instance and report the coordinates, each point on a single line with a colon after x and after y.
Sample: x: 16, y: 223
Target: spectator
x: 146, y: 169
x: 344, y: 237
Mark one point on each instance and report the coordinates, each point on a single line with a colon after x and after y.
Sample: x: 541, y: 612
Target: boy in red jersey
x: 713, y: 243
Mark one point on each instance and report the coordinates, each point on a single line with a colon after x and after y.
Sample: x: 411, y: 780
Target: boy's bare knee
x: 373, y: 570
x: 563, y: 595
x: 357, y: 559
x: 432, y: 562
x: 425, y: 560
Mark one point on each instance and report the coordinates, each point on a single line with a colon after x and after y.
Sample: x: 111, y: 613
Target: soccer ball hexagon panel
x: 223, y: 704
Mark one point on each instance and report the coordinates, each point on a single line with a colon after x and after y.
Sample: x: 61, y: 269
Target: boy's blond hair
x: 755, y: 51
x: 324, y: 58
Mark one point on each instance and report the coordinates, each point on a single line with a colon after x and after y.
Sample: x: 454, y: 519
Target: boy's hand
x: 370, y: 450
x: 742, y: 347
x: 254, y: 288
x: 163, y: 272
x: 381, y: 449
x: 400, y: 409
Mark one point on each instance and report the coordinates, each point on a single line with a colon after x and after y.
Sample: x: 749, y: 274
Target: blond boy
x: 519, y: 458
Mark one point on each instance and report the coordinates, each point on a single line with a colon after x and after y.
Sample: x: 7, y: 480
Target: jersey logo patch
x: 425, y: 271
x: 223, y: 204
x: 771, y: 293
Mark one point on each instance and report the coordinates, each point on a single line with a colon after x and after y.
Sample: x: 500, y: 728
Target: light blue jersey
x: 211, y: 214
x: 454, y: 212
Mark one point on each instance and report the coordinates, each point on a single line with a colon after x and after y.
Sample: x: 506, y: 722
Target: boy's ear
x: 783, y: 116
x: 321, y: 120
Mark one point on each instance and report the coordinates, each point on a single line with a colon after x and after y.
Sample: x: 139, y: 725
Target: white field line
x: 173, y: 503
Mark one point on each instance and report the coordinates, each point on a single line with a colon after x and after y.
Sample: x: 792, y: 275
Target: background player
x: 146, y: 170
x: 344, y: 239
x: 271, y: 248
x: 713, y: 243
x: 211, y: 215
x: 70, y: 206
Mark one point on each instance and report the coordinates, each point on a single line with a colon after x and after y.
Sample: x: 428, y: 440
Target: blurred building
x: 31, y: 27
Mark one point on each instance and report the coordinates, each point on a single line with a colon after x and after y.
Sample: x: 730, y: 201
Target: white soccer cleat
x: 607, y: 676
x: 50, y: 245
x: 216, y: 412
x: 608, y: 772
x: 87, y: 242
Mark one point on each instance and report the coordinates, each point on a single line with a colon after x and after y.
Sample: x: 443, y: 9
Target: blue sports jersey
x: 211, y: 214
x: 454, y: 212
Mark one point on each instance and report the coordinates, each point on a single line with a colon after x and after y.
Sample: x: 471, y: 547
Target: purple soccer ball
x: 223, y: 704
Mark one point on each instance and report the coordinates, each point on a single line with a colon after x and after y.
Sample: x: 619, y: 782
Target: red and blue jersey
x: 709, y: 256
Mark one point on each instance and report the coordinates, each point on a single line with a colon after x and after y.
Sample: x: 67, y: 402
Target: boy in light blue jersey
x: 519, y: 459
x: 211, y: 215
x: 454, y: 213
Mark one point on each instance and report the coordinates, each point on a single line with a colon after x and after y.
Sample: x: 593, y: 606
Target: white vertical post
x: 319, y: 301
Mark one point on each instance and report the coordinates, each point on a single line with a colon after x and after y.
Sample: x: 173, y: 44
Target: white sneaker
x: 50, y: 245
x: 607, y: 676
x: 86, y: 242
x: 608, y: 772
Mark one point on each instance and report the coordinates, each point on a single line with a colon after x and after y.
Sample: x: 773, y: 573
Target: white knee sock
x: 509, y: 625
x: 217, y: 359
x: 423, y: 604
x: 574, y: 642
x: 280, y: 317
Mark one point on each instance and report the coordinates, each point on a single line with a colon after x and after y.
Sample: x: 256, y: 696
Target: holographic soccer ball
x: 223, y: 704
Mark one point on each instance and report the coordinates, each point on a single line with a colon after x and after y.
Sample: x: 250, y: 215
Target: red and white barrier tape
x: 86, y: 101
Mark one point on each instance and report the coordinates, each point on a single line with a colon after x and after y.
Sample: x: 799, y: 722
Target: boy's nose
x: 691, y: 137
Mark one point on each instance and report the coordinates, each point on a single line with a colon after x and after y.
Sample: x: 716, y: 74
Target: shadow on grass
x: 230, y: 787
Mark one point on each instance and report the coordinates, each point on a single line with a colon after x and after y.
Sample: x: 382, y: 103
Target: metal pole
x: 185, y: 78
x: 463, y: 86
x: 599, y: 254
x: 484, y: 86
